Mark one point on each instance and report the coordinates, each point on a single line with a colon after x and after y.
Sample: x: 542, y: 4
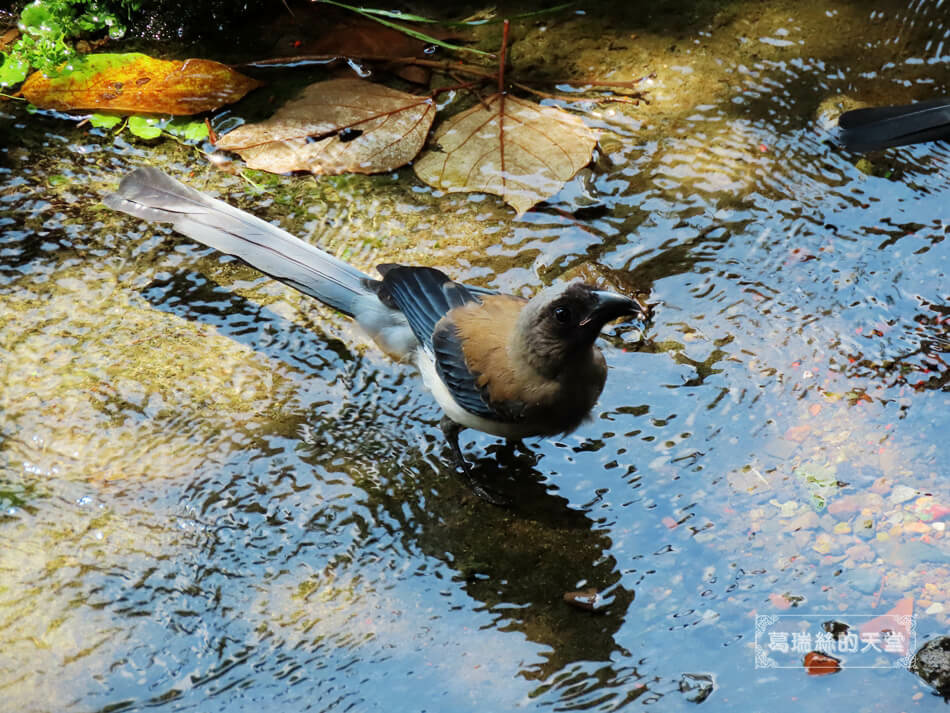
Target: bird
x: 875, y: 128
x: 497, y: 363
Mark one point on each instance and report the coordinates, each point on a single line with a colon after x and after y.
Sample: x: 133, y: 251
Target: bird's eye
x: 562, y: 315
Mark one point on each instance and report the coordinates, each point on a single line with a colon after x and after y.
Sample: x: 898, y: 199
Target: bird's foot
x: 464, y: 470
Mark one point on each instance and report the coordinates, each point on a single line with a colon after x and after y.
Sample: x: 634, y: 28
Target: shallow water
x: 216, y: 497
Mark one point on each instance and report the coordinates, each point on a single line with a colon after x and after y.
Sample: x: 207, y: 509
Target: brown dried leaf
x: 8, y: 38
x: 510, y: 147
x: 359, y: 127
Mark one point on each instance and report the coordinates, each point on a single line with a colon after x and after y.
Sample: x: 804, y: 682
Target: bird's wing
x: 456, y: 374
x: 425, y: 295
x: 880, y: 127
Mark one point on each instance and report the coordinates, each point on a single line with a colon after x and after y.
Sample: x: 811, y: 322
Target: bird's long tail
x: 880, y: 127
x: 149, y: 194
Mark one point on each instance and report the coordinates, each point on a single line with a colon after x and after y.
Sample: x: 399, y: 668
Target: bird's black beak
x: 610, y: 306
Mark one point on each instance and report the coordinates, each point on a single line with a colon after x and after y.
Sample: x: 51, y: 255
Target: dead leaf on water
x: 9, y: 37
x: 513, y: 148
x: 136, y: 83
x: 359, y: 127
x: 820, y: 664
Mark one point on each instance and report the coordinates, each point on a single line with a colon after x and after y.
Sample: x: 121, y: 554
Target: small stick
x: 501, y: 59
x: 444, y: 65
x: 629, y: 84
x: 573, y: 98
x: 501, y: 100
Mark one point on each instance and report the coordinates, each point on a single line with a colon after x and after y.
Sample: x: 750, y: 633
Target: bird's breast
x: 518, y: 393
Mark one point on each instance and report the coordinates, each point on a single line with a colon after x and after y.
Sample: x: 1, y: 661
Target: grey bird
x: 497, y: 363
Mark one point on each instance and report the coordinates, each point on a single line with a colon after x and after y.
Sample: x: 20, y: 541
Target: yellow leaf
x: 135, y: 83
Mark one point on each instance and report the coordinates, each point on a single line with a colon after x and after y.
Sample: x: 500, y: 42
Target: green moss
x: 48, y: 26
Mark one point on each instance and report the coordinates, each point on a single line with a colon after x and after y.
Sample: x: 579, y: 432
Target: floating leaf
x: 137, y: 83
x: 339, y: 126
x: 193, y: 131
x: 145, y: 127
x: 13, y: 70
x: 104, y: 121
x: 510, y: 147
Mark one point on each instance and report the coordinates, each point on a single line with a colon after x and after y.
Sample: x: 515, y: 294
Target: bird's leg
x: 451, y: 430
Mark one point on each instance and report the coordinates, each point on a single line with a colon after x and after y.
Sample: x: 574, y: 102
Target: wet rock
x: 902, y: 494
x: 855, y: 502
x: 697, y: 686
x: 860, y: 553
x: 797, y: 433
x: 747, y: 480
x: 881, y: 486
x: 938, y: 512
x: 896, y: 621
x: 823, y: 543
x: 918, y: 528
x: 866, y: 580
x: 837, y: 629
x: 864, y: 528
x: 932, y: 664
x: 911, y: 554
x: 807, y: 520
x: 845, y: 504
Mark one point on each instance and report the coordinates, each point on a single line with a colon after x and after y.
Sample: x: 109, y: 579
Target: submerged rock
x: 932, y: 664
x: 697, y: 686
x: 837, y: 629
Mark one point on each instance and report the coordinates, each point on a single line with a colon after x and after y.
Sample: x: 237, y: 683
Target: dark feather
x: 881, y: 127
x: 450, y: 363
x: 424, y: 295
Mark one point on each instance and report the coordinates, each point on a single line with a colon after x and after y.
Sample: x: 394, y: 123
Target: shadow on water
x: 518, y: 562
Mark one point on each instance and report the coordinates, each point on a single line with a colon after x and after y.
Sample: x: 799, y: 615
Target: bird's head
x: 560, y: 324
